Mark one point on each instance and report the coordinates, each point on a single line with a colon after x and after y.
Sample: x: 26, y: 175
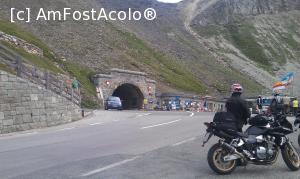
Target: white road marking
x: 192, y: 114
x: 141, y: 115
x: 93, y: 172
x: 94, y: 124
x: 65, y: 129
x: 185, y: 141
x: 162, y: 124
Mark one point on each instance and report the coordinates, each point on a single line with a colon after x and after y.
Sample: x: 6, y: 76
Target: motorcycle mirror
x: 207, y: 124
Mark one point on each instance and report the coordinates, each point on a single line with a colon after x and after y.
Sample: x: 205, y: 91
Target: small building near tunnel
x: 134, y: 89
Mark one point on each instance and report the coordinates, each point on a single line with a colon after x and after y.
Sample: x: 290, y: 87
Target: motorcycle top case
x: 259, y: 120
x: 225, y: 120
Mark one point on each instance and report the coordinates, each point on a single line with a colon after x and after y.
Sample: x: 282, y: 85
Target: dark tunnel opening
x: 130, y: 95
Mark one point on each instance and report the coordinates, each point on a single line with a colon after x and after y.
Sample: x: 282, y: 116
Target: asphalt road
x: 117, y: 145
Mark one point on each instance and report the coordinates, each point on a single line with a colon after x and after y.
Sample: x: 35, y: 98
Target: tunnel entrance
x: 130, y: 95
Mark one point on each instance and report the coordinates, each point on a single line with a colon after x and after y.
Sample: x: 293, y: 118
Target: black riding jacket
x: 238, y: 107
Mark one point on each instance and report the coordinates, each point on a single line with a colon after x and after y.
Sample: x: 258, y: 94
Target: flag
x: 279, y: 86
x: 288, y: 79
x: 288, y: 76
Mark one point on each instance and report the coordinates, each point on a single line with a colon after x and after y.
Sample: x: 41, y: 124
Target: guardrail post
x: 19, y: 66
x: 34, y: 72
x: 72, y: 94
x: 46, y: 79
x: 61, y: 87
x: 79, y: 93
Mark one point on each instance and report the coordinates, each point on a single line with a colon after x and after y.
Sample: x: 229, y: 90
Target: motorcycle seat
x: 236, y: 133
x: 243, y: 135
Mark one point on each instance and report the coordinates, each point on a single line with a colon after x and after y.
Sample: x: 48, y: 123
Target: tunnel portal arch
x: 133, y: 87
x: 130, y: 95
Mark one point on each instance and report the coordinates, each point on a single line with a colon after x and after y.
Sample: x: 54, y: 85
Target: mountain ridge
x: 176, y: 46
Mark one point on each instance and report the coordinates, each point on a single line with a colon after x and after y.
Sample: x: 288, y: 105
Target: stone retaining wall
x: 24, y: 106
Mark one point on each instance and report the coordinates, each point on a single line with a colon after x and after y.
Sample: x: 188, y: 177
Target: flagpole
x: 293, y: 88
x: 293, y: 78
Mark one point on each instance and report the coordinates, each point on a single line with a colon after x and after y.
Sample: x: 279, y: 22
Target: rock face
x: 260, y: 38
x: 24, y: 106
x: 21, y: 44
x: 223, y: 11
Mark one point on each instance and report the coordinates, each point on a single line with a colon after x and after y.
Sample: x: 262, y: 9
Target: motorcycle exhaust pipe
x: 232, y: 149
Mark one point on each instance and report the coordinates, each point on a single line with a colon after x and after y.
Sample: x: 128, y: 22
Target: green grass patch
x: 242, y: 37
x: 251, y: 87
x: 82, y: 73
x: 39, y: 61
x: 288, y: 39
x: 210, y: 30
x: 278, y: 54
x: 172, y: 71
x: 13, y: 29
x: 84, y: 76
x: 4, y: 67
x: 240, y: 33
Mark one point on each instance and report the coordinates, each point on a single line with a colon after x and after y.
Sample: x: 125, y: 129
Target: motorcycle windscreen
x: 285, y: 123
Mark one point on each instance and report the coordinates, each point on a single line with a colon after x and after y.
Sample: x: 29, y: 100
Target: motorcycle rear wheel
x: 216, y: 162
x: 299, y: 139
x: 291, y: 157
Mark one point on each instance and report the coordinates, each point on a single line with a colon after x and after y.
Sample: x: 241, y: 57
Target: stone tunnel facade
x: 134, y: 88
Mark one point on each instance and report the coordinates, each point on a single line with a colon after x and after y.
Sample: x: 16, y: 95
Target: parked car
x: 113, y: 102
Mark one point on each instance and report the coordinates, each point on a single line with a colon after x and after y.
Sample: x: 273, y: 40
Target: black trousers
x: 295, y: 110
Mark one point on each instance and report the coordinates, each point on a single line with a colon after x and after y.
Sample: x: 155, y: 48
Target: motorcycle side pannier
x: 259, y: 120
x: 225, y: 120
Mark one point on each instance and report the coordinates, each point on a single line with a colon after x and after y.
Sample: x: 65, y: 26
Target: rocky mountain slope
x: 260, y: 38
x: 196, y: 46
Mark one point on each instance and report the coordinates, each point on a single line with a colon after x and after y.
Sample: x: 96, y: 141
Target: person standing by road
x: 75, y: 84
x: 259, y: 103
x: 295, y: 106
x: 145, y: 104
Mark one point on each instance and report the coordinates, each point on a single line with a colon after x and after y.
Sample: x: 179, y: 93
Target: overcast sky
x: 170, y: 1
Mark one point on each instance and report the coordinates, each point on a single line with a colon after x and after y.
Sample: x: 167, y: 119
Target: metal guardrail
x: 45, y: 78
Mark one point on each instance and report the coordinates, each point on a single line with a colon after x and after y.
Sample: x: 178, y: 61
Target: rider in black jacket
x: 238, y: 106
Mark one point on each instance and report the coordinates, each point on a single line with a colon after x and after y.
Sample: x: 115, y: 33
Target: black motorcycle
x: 297, y: 125
x: 259, y: 145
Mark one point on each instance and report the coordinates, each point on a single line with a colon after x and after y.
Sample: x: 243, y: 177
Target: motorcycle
x: 297, y: 125
x: 259, y: 145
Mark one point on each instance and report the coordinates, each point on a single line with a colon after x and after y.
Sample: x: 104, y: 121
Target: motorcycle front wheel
x: 291, y: 157
x: 216, y: 161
